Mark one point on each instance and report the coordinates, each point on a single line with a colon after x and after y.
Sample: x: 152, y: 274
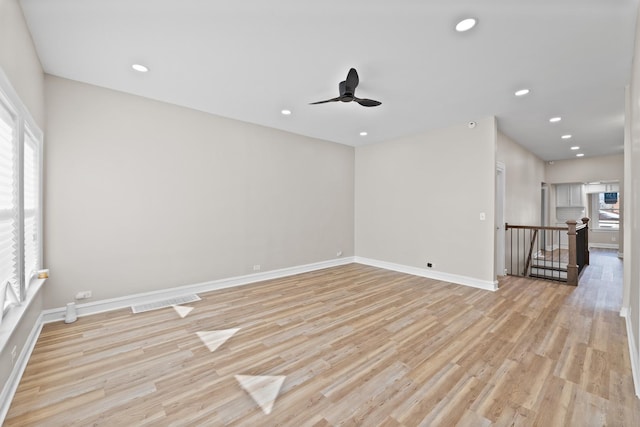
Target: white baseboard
x: 604, y: 245
x: 10, y: 387
x: 57, y: 314
x: 633, y: 354
x: 430, y: 274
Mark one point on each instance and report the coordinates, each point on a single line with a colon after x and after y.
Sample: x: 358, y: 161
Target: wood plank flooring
x: 357, y: 346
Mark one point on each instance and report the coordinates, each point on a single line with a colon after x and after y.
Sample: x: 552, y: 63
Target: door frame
x: 500, y: 235
x: 544, y: 212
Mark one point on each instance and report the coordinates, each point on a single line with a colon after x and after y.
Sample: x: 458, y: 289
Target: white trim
x: 10, y: 387
x: 56, y: 314
x: 500, y: 233
x: 430, y: 274
x: 633, y: 354
x: 15, y: 314
x: 604, y: 245
x: 8, y: 327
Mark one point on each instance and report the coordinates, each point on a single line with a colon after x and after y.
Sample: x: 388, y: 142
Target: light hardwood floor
x: 357, y: 346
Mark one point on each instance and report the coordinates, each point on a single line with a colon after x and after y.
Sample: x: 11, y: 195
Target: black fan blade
x: 367, y: 102
x: 352, y: 81
x: 342, y: 88
x: 323, y: 102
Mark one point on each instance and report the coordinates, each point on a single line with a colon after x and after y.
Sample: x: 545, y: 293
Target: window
x: 605, y: 208
x: 31, y: 204
x: 20, y: 197
x: 8, y: 202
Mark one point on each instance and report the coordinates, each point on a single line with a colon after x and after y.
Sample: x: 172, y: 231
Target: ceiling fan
x: 347, y: 90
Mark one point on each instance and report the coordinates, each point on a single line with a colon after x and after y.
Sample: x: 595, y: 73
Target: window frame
x: 36, y: 139
x: 595, y: 212
x: 24, y: 124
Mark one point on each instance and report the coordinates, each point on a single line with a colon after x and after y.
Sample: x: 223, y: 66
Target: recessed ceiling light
x: 522, y: 92
x: 555, y: 119
x: 140, y: 68
x: 286, y: 112
x: 579, y: 155
x: 363, y: 133
x: 575, y: 148
x: 566, y: 136
x: 466, y: 24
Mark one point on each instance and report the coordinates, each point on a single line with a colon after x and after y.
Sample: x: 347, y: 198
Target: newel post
x: 585, y: 221
x: 572, y: 265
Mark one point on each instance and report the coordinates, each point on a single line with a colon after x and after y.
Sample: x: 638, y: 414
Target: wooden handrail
x: 532, y: 227
x: 540, y: 227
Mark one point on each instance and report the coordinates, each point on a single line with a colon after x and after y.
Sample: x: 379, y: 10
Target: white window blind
x: 31, y: 168
x: 8, y: 201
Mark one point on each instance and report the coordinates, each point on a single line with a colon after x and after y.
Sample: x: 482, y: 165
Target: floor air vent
x: 141, y: 308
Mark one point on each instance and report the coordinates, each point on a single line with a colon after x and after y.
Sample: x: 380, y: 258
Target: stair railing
x: 562, y: 256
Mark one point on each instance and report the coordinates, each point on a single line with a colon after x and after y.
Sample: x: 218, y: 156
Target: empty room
x: 360, y: 213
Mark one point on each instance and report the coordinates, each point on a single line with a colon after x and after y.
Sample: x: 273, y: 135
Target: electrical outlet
x: 14, y: 354
x: 83, y: 295
x: 339, y: 253
x: 429, y: 265
x: 256, y: 267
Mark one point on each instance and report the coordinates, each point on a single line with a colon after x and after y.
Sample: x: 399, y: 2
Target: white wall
x: 586, y: 169
x: 632, y: 191
x: 524, y: 174
x: 418, y: 200
x: 19, y: 61
x: 144, y: 195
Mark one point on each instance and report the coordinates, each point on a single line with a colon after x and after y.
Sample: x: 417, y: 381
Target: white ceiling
x: 249, y: 59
